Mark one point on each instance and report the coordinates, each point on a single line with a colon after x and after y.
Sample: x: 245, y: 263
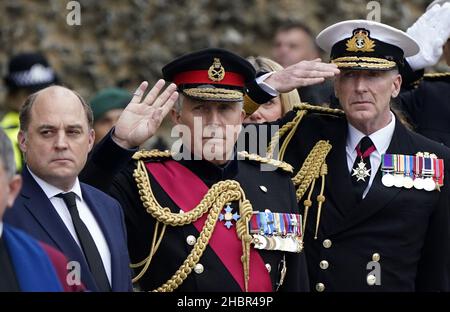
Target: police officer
x: 204, y: 218
x: 27, y: 73
x: 381, y: 222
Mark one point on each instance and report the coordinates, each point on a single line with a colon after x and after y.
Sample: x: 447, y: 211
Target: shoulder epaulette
x: 289, y: 128
x: 147, y: 155
x: 319, y: 109
x: 276, y: 163
x: 436, y: 76
x: 415, y: 84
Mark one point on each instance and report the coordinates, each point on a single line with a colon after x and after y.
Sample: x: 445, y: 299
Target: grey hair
x: 7, y: 154
x: 178, y: 106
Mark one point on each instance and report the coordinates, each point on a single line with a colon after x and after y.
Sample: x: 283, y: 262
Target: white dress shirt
x: 85, y: 215
x: 381, y: 139
x: 1, y: 228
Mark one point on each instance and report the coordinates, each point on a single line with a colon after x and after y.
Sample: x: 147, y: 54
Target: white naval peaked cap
x: 440, y: 2
x: 363, y: 44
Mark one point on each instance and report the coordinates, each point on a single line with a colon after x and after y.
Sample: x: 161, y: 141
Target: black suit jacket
x: 409, y: 229
x: 34, y: 213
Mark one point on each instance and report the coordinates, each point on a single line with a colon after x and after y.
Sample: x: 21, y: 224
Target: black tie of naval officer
x: 361, y: 167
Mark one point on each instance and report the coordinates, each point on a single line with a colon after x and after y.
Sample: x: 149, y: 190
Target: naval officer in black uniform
x: 178, y: 237
x: 379, y: 228
x: 426, y: 102
x: 425, y: 98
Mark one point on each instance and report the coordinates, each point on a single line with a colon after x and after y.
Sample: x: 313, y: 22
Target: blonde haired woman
x: 279, y: 105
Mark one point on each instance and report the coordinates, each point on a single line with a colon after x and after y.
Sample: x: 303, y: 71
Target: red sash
x: 225, y: 243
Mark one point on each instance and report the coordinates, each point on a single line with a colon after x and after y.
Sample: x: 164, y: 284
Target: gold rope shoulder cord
x: 312, y: 168
x: 430, y: 77
x: 437, y: 75
x: 314, y: 165
x: 290, y: 127
x: 212, y: 203
x: 276, y: 163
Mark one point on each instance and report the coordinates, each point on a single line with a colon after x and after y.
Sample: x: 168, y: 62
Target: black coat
x: 34, y: 213
x: 408, y: 229
x: 319, y: 94
x: 427, y: 105
x: 174, y: 248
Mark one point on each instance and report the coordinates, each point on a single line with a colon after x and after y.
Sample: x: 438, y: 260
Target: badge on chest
x: 424, y: 171
x: 276, y: 231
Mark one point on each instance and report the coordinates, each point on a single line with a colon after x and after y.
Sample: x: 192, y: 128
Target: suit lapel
x: 378, y: 196
x: 102, y: 216
x: 339, y: 181
x: 45, y: 214
x: 43, y: 211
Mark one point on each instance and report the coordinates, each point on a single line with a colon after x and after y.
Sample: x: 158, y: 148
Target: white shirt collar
x: 51, y: 191
x: 381, y: 138
x: 1, y: 228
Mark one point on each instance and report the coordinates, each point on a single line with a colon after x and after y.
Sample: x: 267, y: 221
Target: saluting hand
x: 141, y: 118
x: 301, y: 74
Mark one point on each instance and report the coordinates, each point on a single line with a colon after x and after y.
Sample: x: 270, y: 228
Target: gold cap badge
x: 360, y: 41
x: 216, y: 72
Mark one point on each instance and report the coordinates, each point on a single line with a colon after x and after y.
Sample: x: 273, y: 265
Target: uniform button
x: 190, y: 240
x: 320, y: 287
x: 199, y: 268
x: 263, y: 188
x: 376, y: 257
x: 371, y: 279
x: 324, y: 264
x: 268, y: 267
x: 327, y: 243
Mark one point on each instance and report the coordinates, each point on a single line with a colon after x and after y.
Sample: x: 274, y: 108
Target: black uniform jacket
x: 427, y: 104
x: 174, y: 248
x: 405, y: 230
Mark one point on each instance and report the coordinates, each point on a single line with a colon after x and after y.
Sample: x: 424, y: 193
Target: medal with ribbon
x: 399, y: 170
x: 428, y: 173
x: 229, y: 216
x: 361, y: 172
x: 408, y: 179
x: 424, y: 171
x: 387, y: 167
x: 276, y: 231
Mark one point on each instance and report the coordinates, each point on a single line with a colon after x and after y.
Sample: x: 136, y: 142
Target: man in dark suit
x: 378, y: 227
x: 84, y: 223
x: 25, y: 263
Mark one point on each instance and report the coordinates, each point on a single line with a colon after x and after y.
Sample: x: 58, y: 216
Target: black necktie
x: 87, y: 243
x: 361, y: 167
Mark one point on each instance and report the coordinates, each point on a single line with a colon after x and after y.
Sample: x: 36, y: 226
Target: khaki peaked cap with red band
x: 210, y: 75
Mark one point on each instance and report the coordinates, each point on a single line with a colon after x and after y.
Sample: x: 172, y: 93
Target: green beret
x: 108, y: 99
